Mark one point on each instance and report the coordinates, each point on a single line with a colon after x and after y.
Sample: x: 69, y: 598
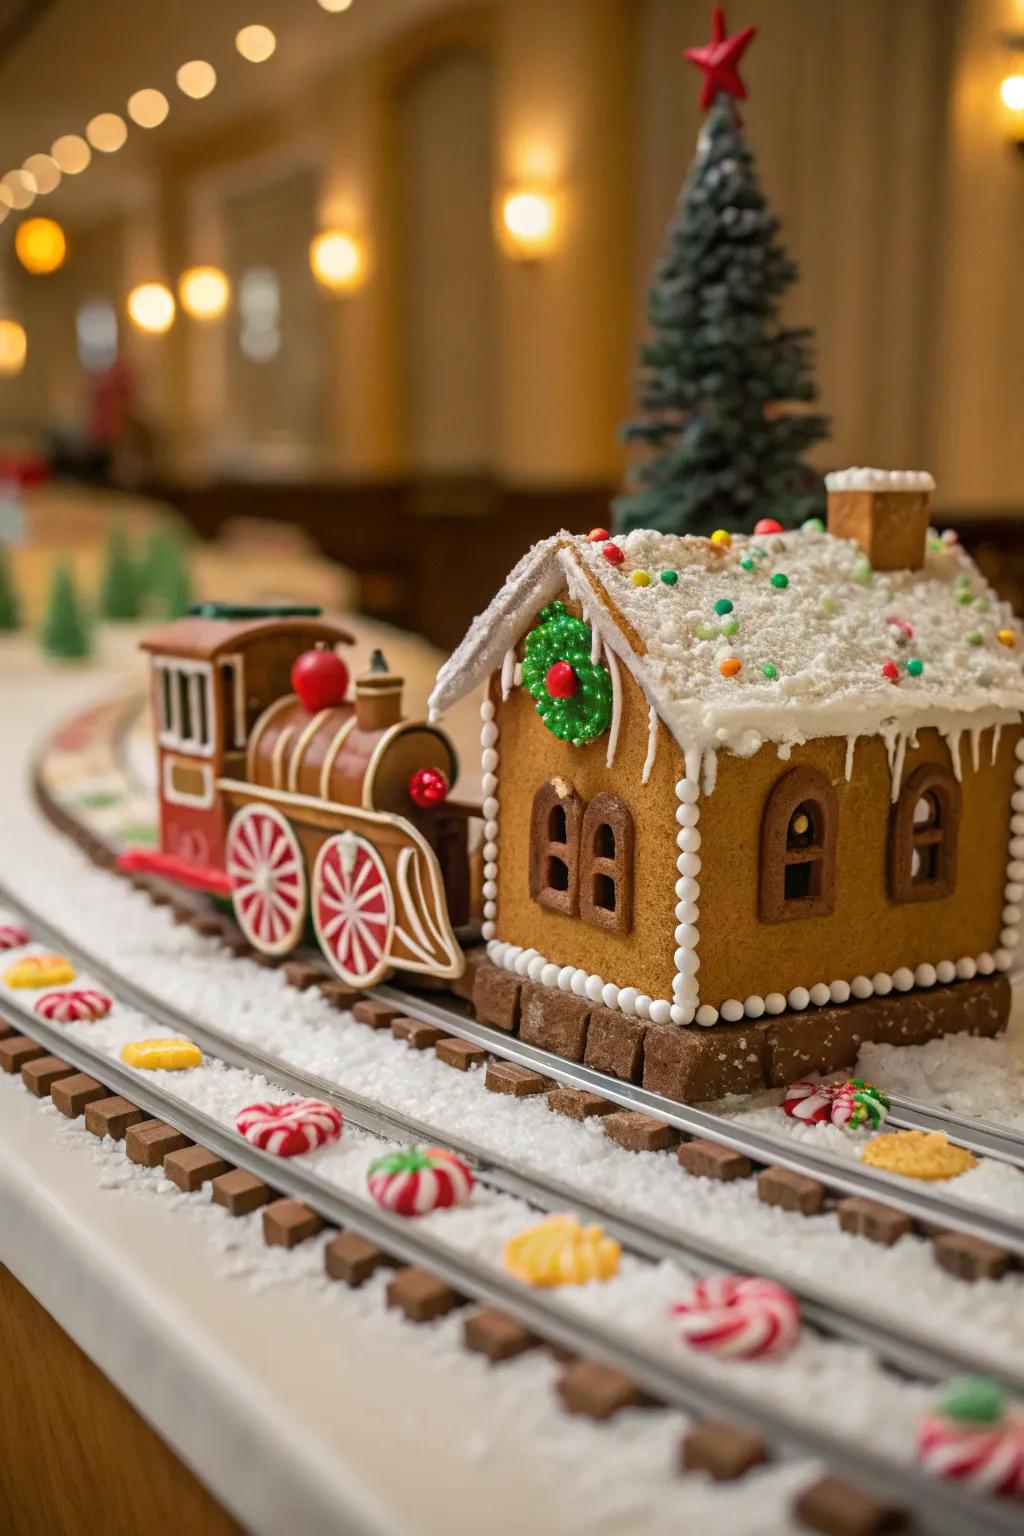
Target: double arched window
x: 798, y: 848
x: 581, y: 857
x: 923, y: 836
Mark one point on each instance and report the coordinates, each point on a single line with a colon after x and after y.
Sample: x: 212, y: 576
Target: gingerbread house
x: 749, y: 801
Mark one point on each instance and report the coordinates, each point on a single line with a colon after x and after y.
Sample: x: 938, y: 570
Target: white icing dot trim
x: 862, y: 479
x: 572, y: 978
x: 685, y: 996
x: 489, y: 785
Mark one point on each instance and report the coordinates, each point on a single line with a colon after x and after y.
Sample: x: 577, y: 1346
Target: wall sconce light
x: 13, y: 347
x: 151, y: 307
x: 1011, y: 88
x: 40, y: 245
x: 338, y: 261
x: 204, y: 292
x: 529, y: 224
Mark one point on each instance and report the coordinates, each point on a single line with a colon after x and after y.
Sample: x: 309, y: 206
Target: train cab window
x: 185, y: 705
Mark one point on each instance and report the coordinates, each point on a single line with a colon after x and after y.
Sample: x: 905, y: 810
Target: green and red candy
x: 849, y: 1105
x: 419, y: 1180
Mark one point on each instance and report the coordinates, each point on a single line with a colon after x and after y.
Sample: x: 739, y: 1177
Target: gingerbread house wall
x: 866, y: 933
x: 528, y: 756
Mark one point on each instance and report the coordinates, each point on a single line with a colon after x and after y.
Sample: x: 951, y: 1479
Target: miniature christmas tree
x: 10, y: 611
x: 721, y: 375
x: 165, y: 575
x: 65, y: 634
x: 120, y: 597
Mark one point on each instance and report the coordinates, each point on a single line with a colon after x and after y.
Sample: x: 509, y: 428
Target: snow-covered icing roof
x: 810, y: 624
x: 859, y: 479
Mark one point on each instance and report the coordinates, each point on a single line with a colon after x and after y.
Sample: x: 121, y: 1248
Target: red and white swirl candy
x: 849, y: 1105
x: 808, y: 1101
x: 739, y: 1317
x: 289, y: 1129
x: 987, y: 1458
x: 419, y: 1180
x: 12, y: 935
x: 73, y: 1005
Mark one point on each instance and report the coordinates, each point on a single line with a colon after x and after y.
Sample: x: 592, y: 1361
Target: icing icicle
x: 652, y: 743
x: 508, y: 669
x: 613, y: 732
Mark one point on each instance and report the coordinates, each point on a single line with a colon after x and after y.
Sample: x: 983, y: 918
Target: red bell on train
x: 428, y: 786
x: 320, y: 678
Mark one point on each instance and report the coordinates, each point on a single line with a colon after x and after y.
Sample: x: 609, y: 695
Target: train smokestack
x: 378, y: 696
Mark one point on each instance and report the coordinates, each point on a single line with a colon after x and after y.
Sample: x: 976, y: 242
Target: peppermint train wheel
x: 353, y: 908
x: 264, y: 861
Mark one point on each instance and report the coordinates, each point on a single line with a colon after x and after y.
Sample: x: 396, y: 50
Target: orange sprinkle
x: 730, y: 666
x: 1007, y: 637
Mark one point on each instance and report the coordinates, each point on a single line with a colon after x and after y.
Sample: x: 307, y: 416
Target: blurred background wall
x: 451, y: 400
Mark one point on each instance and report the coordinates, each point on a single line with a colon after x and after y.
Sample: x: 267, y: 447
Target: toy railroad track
x: 943, y: 1508
x: 907, y: 1349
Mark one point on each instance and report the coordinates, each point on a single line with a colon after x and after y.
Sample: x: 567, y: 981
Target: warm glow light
x: 256, y: 43
x: 106, y: 132
x: 71, y: 153
x: 45, y: 172
x: 151, y: 307
x: 148, y: 108
x: 196, y: 78
x: 204, y: 292
x: 13, y: 346
x: 40, y: 245
x: 335, y: 5
x: 528, y: 224
x: 337, y: 260
x: 1012, y: 92
x: 18, y: 189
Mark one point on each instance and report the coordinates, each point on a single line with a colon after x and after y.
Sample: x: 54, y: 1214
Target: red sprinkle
x: 891, y: 671
x: 561, y: 681
x: 597, y: 535
x: 613, y: 554
x: 767, y: 525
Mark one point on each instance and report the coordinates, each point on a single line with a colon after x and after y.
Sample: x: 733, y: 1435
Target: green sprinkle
x: 810, y: 525
x: 965, y: 595
x: 780, y: 580
x: 915, y: 666
x: 963, y: 581
x: 769, y: 669
x: 974, y: 1400
x: 863, y: 573
x: 723, y: 606
x: 747, y: 565
x: 981, y: 603
x: 974, y: 637
x: 935, y: 544
x: 828, y: 602
x: 705, y: 632
x: 730, y: 626
x: 670, y: 578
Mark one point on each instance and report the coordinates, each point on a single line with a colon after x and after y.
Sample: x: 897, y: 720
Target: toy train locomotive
x: 303, y: 804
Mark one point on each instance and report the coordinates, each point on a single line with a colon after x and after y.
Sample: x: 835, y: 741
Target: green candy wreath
x: 560, y: 637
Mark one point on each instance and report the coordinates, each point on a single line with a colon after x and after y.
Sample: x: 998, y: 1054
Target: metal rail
x: 947, y: 1508
x: 909, y: 1350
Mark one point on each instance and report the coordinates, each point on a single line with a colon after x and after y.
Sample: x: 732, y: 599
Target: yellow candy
x: 640, y: 579
x: 722, y: 536
x: 560, y: 1251
x: 161, y: 1055
x: 1007, y: 637
x: 39, y: 971
x: 918, y: 1155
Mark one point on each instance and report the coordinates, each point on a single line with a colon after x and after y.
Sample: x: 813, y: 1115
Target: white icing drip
x: 951, y: 736
x: 613, y: 733
x: 997, y: 731
x: 851, y: 747
x: 595, y: 639
x: 710, y: 770
x: 691, y: 758
x: 652, y: 743
x: 897, y: 771
x: 508, y: 667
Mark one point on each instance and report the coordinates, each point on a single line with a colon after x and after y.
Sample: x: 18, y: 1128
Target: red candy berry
x: 598, y: 535
x: 891, y: 671
x: 561, y: 681
x: 613, y: 554
x: 766, y: 525
x: 428, y: 786
x: 320, y: 678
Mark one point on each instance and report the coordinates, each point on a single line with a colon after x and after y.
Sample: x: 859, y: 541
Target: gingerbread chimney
x: 378, y: 696
x: 885, y: 510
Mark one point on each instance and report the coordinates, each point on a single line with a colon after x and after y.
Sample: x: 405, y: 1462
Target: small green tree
x: 10, y: 608
x: 65, y: 634
x: 120, y: 596
x: 724, y: 386
x: 173, y: 582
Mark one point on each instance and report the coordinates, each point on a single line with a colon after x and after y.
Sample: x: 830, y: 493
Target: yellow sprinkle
x: 722, y: 536
x: 39, y: 971
x: 918, y: 1155
x: 559, y: 1251
x: 640, y: 579
x: 1007, y: 637
x: 161, y: 1055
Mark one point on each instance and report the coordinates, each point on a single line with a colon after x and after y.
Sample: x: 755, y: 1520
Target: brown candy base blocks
x: 766, y: 786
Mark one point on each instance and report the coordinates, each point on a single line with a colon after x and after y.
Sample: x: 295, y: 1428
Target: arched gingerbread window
x: 923, y: 836
x: 798, y: 848
x: 555, y: 823
x: 606, y: 864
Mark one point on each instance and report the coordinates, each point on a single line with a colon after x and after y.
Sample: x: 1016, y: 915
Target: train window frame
x: 186, y: 705
x: 231, y: 671
x: 175, y: 796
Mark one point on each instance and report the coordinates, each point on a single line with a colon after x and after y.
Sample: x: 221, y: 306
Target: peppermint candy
x: 848, y: 1105
x: 420, y: 1180
x: 739, y: 1317
x: 286, y: 1130
x: 71, y: 1005
x: 974, y: 1439
x: 12, y: 935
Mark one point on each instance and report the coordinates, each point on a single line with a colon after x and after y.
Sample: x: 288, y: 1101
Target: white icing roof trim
x: 828, y: 655
x: 879, y: 480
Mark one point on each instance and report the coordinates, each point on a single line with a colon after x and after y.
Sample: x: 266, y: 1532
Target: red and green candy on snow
x: 419, y: 1180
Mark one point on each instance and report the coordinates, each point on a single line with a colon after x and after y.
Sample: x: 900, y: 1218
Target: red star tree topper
x: 719, y: 59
